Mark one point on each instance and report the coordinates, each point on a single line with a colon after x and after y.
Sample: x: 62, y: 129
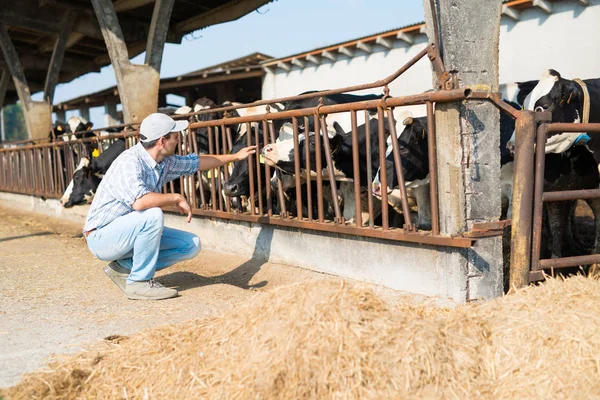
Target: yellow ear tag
x: 95, y: 153
x: 209, y: 173
x: 261, y: 159
x: 59, y: 128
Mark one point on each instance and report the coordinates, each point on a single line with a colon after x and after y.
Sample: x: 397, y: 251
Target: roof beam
x: 544, y: 5
x: 384, y: 42
x: 283, y: 65
x: 297, y: 62
x: 364, y: 47
x: 311, y: 58
x: 584, y: 2
x: 57, y: 56
x: 158, y: 32
x: 511, y: 12
x: 229, y: 11
x: 329, y: 55
x: 405, y: 37
x: 346, y: 51
x: 124, y: 5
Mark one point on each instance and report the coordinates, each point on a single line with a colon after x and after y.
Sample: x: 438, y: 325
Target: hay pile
x: 335, y: 340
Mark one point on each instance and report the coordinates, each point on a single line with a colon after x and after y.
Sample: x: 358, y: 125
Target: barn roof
x: 34, y: 25
x: 510, y: 9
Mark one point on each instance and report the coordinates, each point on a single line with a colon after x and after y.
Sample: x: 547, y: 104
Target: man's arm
x: 210, y: 161
x: 152, y: 199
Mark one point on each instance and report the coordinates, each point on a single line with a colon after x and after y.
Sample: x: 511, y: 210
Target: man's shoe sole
x: 140, y: 297
x: 118, y: 278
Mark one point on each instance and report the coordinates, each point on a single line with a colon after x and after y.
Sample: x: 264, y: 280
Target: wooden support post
x: 468, y: 139
x: 57, y: 56
x: 38, y: 115
x: 137, y: 84
x: 158, y: 32
x: 61, y: 115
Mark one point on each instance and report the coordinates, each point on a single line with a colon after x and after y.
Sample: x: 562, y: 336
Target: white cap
x: 157, y: 125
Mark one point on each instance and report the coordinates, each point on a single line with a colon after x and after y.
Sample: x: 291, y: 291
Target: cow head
x: 413, y: 149
x: 84, y: 185
x: 79, y: 124
x: 59, y: 128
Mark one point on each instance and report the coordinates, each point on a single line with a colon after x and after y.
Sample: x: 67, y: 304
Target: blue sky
x: 278, y: 29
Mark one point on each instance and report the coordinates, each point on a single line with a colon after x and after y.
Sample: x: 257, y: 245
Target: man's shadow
x: 240, y: 276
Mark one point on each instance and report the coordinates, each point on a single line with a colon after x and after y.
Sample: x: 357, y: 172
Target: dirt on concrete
x: 55, y: 297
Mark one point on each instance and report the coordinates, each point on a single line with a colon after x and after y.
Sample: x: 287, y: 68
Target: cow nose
x: 267, y: 149
x: 511, y: 147
x: 230, y: 189
x: 376, y: 189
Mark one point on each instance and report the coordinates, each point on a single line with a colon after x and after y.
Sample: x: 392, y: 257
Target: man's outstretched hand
x: 245, y: 152
x: 184, y: 208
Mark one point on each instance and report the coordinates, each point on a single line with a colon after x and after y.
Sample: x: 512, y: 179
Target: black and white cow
x: 88, y: 175
x: 568, y: 164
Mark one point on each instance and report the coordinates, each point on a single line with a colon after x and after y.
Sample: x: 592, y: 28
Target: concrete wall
x: 566, y: 40
x: 408, y: 267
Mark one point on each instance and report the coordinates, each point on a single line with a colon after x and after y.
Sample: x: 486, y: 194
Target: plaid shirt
x: 132, y: 175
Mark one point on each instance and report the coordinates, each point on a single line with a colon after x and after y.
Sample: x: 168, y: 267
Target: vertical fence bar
x: 520, y: 255
x: 309, y: 205
x: 399, y: 171
x: 219, y: 188
x: 267, y: 173
x: 251, y: 167
x: 282, y: 207
x: 211, y: 150
x: 226, y: 150
x: 356, y: 168
x: 319, y: 168
x: 331, y: 170
x: 382, y: 171
x: 297, y: 169
x: 538, y: 193
x: 369, y: 170
x: 433, y: 186
x: 192, y: 135
x: 258, y: 169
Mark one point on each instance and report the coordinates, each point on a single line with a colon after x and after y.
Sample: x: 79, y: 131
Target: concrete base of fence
x: 429, y: 270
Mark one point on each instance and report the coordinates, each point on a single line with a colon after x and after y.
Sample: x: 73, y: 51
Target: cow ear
x: 88, y: 126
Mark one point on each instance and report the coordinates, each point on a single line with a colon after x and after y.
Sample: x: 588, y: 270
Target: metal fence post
x: 522, y: 201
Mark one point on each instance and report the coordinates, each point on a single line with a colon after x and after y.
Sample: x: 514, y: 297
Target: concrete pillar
x: 38, y: 114
x: 110, y: 112
x: 61, y: 115
x: 468, y: 137
x: 84, y: 112
x: 138, y: 84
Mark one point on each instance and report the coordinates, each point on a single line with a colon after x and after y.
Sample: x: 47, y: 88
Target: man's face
x: 171, y: 143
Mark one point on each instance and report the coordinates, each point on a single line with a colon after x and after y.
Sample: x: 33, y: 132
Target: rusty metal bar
x: 391, y: 234
x: 331, y: 172
x: 297, y: 175
x: 309, y: 204
x: 356, y: 169
x: 538, y: 193
x: 251, y: 168
x: 399, y: 172
x: 284, y: 213
x: 433, y: 182
x: 267, y: 173
x: 385, y: 223
x: 192, y: 135
x: 444, y: 96
x: 219, y: 188
x: 369, y: 170
x: 559, y: 127
x: 319, y: 167
x: 258, y: 172
x: 520, y: 256
x: 567, y: 262
x: 225, y: 168
x: 571, y: 195
x: 211, y: 150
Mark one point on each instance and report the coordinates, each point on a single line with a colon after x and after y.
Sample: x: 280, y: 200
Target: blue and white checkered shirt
x: 132, y: 175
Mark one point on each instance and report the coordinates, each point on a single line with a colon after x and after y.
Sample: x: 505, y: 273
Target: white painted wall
x: 566, y: 40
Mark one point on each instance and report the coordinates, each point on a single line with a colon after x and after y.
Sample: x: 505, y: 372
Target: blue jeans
x: 141, y: 243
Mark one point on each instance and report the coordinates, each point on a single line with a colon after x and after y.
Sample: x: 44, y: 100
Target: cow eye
x: 540, y: 109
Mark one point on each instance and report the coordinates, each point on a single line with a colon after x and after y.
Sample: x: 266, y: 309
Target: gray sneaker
x: 148, y: 290
x: 117, y: 273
